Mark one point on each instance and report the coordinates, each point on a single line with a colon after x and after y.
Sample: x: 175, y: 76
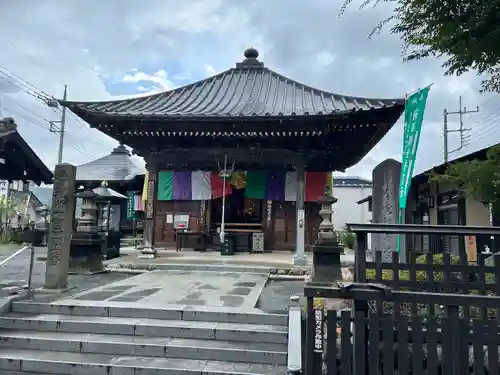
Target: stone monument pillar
x: 326, y: 250
x: 61, y: 226
x: 385, y: 205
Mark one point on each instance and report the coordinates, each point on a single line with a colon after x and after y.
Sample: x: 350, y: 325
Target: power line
x: 25, y: 82
x: 492, y: 115
x: 30, y: 120
x: 49, y: 100
x: 45, y: 124
x: 35, y: 61
x: 10, y: 99
x: 23, y: 87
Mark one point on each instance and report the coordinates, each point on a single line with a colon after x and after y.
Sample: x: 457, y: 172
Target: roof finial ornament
x: 251, y: 53
x: 250, y: 61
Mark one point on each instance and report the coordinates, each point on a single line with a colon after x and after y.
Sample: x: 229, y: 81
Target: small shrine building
x: 123, y: 174
x: 280, y: 138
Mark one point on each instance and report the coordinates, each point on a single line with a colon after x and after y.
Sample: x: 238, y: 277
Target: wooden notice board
x: 471, y: 248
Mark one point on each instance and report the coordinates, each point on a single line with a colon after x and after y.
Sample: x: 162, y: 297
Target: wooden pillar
x: 149, y: 251
x: 299, y: 258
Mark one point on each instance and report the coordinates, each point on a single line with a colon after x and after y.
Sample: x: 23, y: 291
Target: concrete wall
x: 347, y: 210
x: 476, y: 213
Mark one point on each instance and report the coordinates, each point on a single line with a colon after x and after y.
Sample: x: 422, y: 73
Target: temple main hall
x: 247, y: 149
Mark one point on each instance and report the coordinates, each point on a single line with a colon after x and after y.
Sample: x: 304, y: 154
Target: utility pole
x: 62, y: 124
x: 461, y: 112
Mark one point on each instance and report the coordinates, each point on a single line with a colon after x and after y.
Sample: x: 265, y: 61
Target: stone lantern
x: 326, y: 249
x: 86, y: 242
x: 88, y: 221
x: 42, y: 226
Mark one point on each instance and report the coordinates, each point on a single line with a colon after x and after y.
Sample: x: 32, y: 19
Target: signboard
x: 471, y: 249
x: 414, y: 116
x: 257, y: 242
x: 181, y: 221
x: 170, y: 219
x: 130, y: 205
x: 318, y: 331
x: 150, y: 200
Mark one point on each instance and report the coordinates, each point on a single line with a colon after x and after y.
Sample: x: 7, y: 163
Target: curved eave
x: 38, y: 173
x: 242, y: 92
x: 95, y: 117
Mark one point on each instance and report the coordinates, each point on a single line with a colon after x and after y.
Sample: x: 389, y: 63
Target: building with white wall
x: 349, y: 191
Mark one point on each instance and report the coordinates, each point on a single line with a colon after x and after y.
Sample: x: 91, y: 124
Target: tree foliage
x: 8, y: 210
x: 466, y: 33
x: 479, y: 179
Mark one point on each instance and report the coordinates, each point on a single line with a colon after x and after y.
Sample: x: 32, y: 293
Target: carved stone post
x: 149, y: 251
x: 326, y: 250
x: 61, y: 227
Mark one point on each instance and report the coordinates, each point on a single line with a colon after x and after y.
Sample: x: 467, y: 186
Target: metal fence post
x: 31, y: 244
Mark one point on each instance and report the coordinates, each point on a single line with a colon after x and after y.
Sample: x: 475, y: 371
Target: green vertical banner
x: 130, y: 205
x: 414, y: 117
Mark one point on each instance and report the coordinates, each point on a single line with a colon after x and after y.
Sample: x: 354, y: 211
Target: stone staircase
x: 38, y: 338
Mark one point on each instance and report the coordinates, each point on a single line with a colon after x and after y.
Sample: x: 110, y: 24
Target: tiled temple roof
x: 117, y: 166
x: 248, y: 90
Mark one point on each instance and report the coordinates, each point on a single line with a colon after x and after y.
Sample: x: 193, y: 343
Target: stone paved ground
x: 191, y: 286
x: 157, y: 289
x: 15, y: 274
x: 275, y: 297
x: 275, y: 259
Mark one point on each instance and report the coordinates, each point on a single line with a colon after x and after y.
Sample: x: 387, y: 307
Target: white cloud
x: 325, y: 58
x: 159, y: 78
x: 85, y: 44
x: 209, y: 69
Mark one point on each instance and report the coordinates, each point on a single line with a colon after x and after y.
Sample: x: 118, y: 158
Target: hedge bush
x: 348, y: 239
x: 437, y: 259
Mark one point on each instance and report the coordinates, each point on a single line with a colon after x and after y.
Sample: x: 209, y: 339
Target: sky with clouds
x: 117, y: 48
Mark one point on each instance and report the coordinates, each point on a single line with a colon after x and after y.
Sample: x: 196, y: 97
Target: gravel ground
x: 14, y: 274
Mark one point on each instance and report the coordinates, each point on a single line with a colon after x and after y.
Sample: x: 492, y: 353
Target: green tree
x: 465, y: 33
x: 479, y: 179
x: 8, y: 210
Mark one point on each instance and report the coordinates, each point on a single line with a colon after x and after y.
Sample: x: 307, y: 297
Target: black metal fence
x: 436, y: 314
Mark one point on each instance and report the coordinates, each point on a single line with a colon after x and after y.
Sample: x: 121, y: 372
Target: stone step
x: 146, y: 327
x: 6, y: 372
x: 121, y: 345
x: 225, y: 267
x: 51, y: 362
x: 186, y: 313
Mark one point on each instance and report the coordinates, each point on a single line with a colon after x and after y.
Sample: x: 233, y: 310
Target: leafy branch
x: 479, y: 179
x: 465, y: 33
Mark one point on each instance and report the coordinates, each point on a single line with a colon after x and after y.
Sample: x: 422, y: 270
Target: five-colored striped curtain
x: 202, y: 185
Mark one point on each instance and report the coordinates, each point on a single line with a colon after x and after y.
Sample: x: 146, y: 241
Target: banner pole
x: 414, y: 113
x: 400, y: 176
